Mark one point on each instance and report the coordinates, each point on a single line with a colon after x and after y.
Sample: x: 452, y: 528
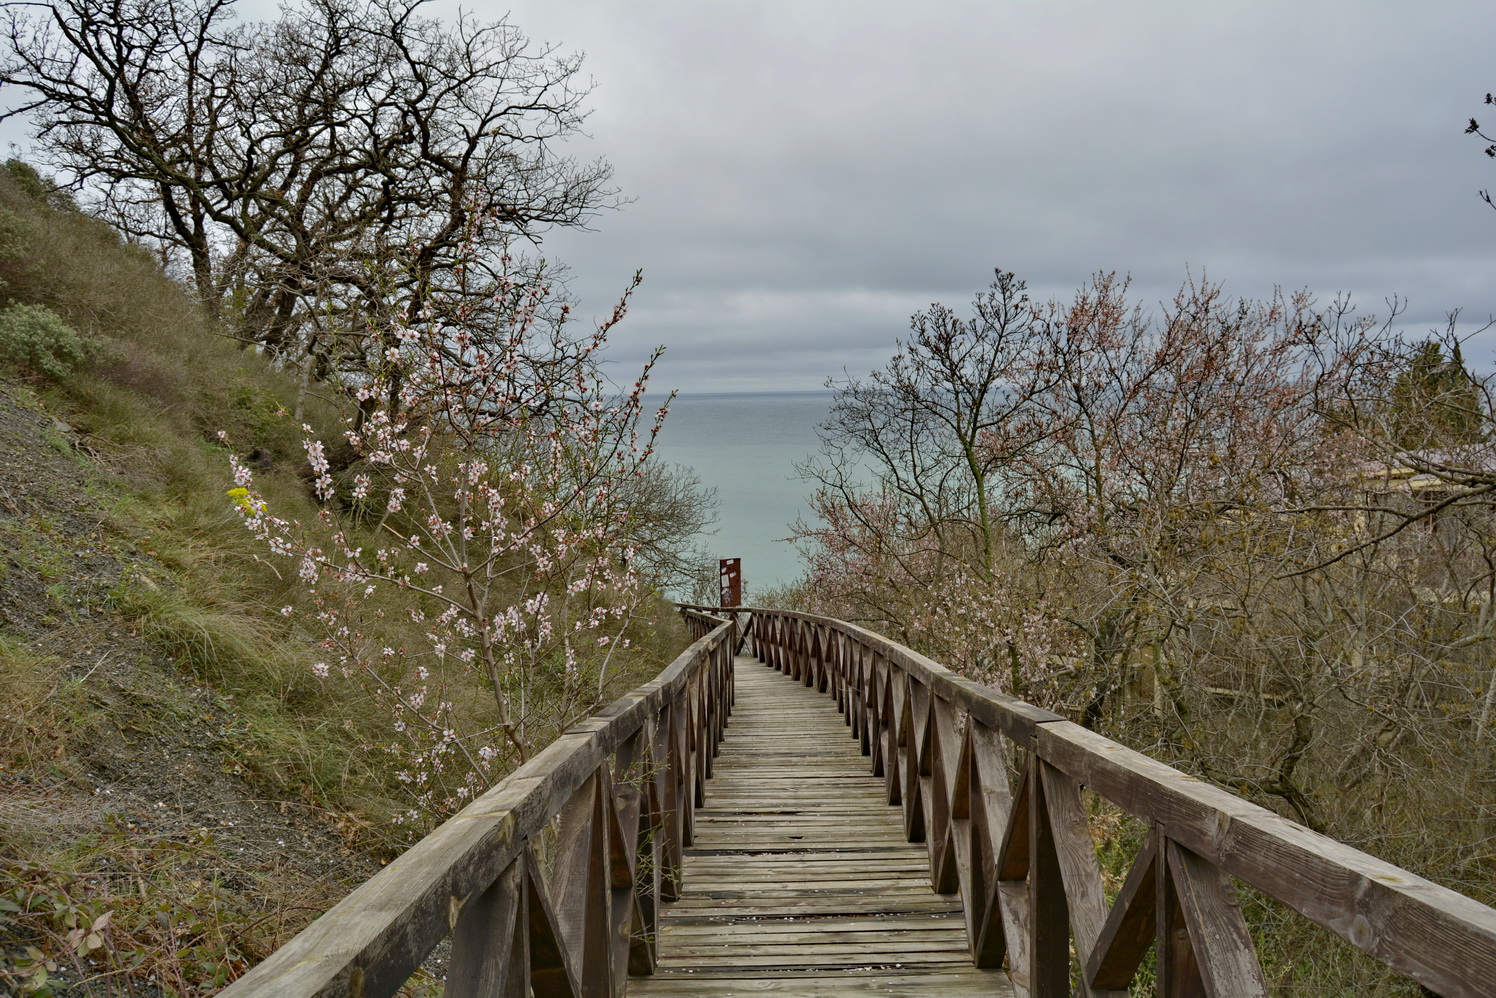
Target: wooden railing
x: 993, y: 786
x: 610, y: 803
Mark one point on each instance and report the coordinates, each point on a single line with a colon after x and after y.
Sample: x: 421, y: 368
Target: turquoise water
x: 746, y: 446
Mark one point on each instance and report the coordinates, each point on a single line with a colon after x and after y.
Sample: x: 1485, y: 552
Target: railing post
x: 490, y: 942
x: 673, y: 820
x: 581, y: 885
x: 911, y: 742
x: 645, y: 764
x: 944, y: 760
x: 879, y: 713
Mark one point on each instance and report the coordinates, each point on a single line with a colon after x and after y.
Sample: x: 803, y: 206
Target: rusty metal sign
x: 731, y: 576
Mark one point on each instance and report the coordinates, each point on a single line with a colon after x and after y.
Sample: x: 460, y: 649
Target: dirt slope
x: 107, y: 743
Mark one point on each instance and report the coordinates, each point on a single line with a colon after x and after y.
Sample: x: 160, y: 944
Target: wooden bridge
x: 869, y: 822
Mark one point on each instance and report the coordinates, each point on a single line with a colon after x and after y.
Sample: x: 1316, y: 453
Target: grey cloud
x: 806, y: 173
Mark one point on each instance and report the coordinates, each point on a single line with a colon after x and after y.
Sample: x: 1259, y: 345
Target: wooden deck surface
x: 800, y: 881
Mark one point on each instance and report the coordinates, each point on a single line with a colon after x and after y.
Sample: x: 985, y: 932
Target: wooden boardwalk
x: 800, y: 881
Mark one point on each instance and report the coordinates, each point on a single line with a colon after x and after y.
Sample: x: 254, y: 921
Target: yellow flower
x: 241, y: 496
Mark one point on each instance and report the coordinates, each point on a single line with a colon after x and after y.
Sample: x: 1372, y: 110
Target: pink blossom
x: 523, y: 532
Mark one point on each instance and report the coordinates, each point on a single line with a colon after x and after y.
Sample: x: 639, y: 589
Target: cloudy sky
x: 807, y: 174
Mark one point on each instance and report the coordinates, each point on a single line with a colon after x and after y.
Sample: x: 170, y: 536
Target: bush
x: 39, y: 188
x: 33, y: 337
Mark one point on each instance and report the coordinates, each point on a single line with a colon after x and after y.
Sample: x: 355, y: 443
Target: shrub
x: 33, y: 337
x: 38, y: 187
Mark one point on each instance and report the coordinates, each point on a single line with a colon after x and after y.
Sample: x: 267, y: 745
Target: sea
x: 746, y: 445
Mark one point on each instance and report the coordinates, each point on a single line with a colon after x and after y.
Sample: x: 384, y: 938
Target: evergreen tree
x: 1435, y: 402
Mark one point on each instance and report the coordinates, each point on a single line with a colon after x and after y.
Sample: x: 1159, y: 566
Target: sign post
x: 730, y: 574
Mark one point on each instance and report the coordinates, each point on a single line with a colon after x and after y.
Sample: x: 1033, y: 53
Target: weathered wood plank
x: 1439, y: 938
x: 490, y: 951
x: 1218, y: 931
x: 799, y: 879
x: 1076, y: 854
x: 372, y: 941
x: 1444, y: 941
x: 810, y: 957
x: 886, y: 983
x: 807, y: 908
x: 768, y: 928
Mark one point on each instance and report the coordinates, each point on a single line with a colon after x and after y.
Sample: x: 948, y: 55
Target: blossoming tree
x: 487, y: 510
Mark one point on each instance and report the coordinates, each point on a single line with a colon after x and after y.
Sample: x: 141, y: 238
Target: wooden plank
x: 1218, y: 932
x: 1178, y: 968
x: 577, y: 886
x: 552, y: 967
x: 799, y: 879
x: 755, y: 908
x: 767, y: 927
x: 1076, y: 854
x: 490, y: 952
x: 886, y: 983
x: 808, y: 956
x: 1049, y: 958
x: 1443, y: 940
x: 714, y: 924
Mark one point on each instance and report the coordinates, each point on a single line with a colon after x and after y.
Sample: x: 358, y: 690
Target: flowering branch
x: 480, y: 541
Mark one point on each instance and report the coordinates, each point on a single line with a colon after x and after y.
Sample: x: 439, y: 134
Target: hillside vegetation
x: 1253, y: 539
x: 179, y: 791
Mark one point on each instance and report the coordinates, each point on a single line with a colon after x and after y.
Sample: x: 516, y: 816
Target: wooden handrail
x: 1021, y: 854
x: 610, y: 801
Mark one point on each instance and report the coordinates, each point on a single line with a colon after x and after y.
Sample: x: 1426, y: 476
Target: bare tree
x: 667, y: 511
x: 910, y: 474
x: 1474, y: 129
x: 318, y: 175
x: 1089, y: 448
x: 1214, y: 546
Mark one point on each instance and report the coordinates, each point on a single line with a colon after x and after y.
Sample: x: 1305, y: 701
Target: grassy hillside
x: 178, y: 791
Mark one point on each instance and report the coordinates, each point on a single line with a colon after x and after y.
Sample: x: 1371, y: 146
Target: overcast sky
x: 807, y: 174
